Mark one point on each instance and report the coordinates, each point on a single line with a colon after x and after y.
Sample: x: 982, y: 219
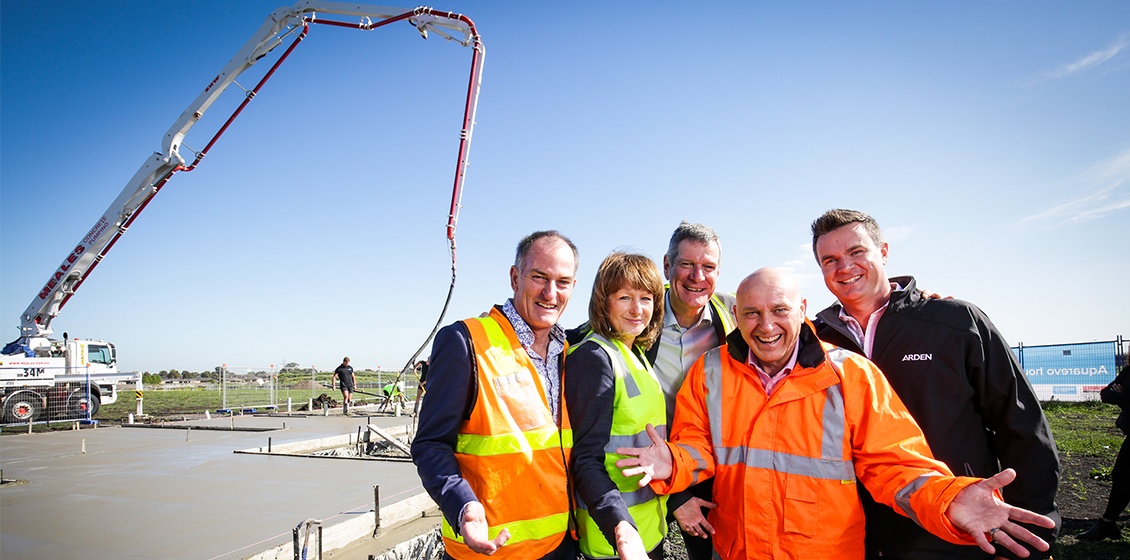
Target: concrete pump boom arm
x: 35, y: 323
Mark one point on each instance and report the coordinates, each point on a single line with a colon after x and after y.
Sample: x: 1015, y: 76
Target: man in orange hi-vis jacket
x: 788, y: 425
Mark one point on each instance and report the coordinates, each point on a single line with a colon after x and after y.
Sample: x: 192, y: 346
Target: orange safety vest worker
x: 785, y: 465
x: 511, y: 451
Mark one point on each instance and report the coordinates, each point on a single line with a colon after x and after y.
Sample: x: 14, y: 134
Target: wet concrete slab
x: 173, y: 493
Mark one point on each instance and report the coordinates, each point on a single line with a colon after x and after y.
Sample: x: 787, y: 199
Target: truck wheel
x: 57, y: 402
x: 78, y: 404
x: 22, y: 406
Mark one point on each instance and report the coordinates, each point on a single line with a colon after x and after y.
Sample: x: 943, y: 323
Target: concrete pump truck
x: 43, y: 378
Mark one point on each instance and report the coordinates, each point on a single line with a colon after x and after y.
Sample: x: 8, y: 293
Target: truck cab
x: 59, y: 380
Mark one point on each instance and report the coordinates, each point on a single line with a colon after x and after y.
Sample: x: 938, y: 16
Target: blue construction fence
x: 1071, y: 372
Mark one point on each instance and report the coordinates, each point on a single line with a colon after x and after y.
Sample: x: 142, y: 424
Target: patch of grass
x: 1084, y: 427
x: 1101, y: 473
x: 195, y: 400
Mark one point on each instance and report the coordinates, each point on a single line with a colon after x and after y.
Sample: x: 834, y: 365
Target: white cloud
x: 1105, y: 184
x: 1085, y: 63
x: 897, y: 233
x: 806, y: 272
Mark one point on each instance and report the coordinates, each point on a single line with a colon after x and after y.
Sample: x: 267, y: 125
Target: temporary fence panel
x: 249, y: 388
x: 1070, y: 372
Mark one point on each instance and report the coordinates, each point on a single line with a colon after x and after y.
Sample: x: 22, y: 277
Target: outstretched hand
x: 653, y: 462
x: 476, y: 532
x: 629, y: 545
x: 977, y: 511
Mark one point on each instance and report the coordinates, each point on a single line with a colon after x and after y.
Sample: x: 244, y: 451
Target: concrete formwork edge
x: 428, y: 546
x: 356, y: 529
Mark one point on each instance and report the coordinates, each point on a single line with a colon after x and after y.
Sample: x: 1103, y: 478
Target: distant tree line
x: 156, y: 378
x: 289, y: 372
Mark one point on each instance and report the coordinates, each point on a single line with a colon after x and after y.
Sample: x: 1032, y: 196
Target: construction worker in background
x: 951, y: 367
x: 1116, y: 392
x: 393, y: 393
x: 787, y: 424
x: 421, y: 370
x: 344, y: 375
x: 493, y: 443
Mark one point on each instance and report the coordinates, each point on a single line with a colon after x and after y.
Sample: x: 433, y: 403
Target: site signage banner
x: 1069, y: 372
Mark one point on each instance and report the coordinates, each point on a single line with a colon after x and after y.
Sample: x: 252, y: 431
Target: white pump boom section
x: 35, y: 323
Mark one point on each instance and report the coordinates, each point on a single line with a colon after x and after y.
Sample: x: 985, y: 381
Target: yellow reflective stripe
x: 505, y: 444
x: 723, y: 312
x: 494, y: 332
x: 525, y: 530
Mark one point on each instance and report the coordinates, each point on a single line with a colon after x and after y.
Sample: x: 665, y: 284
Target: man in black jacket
x: 1118, y: 393
x: 953, y: 370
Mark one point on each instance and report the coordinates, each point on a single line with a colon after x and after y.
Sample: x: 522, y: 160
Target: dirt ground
x: 1082, y: 496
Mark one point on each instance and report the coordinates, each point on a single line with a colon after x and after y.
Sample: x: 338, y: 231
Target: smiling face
x: 769, y: 313
x: 692, y: 274
x: 854, y: 268
x: 627, y: 299
x: 629, y: 312
x: 543, y: 287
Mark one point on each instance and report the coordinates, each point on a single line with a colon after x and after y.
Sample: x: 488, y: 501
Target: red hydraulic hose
x: 464, y: 141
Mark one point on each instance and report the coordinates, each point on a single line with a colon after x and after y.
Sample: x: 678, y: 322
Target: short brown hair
x: 528, y: 241
x: 837, y: 218
x: 632, y: 271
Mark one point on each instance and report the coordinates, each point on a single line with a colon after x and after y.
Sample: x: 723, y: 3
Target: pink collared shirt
x: 866, y: 338
x: 772, y: 382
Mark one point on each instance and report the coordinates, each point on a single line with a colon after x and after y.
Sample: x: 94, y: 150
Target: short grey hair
x: 697, y: 233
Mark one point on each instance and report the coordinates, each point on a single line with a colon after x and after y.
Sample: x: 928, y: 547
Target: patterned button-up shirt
x: 550, y: 366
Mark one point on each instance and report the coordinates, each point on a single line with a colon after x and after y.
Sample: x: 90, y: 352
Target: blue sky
x: 991, y: 142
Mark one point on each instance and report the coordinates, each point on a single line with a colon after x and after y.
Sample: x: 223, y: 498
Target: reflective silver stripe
x: 637, y: 497
x: 826, y: 469
x: 630, y: 386
x: 712, y: 368
x: 837, y: 356
x: 639, y: 439
x: 700, y: 463
x: 902, y: 497
x: 835, y: 418
x: 632, y: 498
x: 832, y: 443
x: 829, y: 466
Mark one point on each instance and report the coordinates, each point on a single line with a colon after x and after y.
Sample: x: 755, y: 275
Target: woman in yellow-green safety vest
x: 612, y: 395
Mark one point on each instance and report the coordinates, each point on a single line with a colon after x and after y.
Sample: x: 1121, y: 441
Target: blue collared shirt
x: 679, y: 349
x: 550, y: 367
